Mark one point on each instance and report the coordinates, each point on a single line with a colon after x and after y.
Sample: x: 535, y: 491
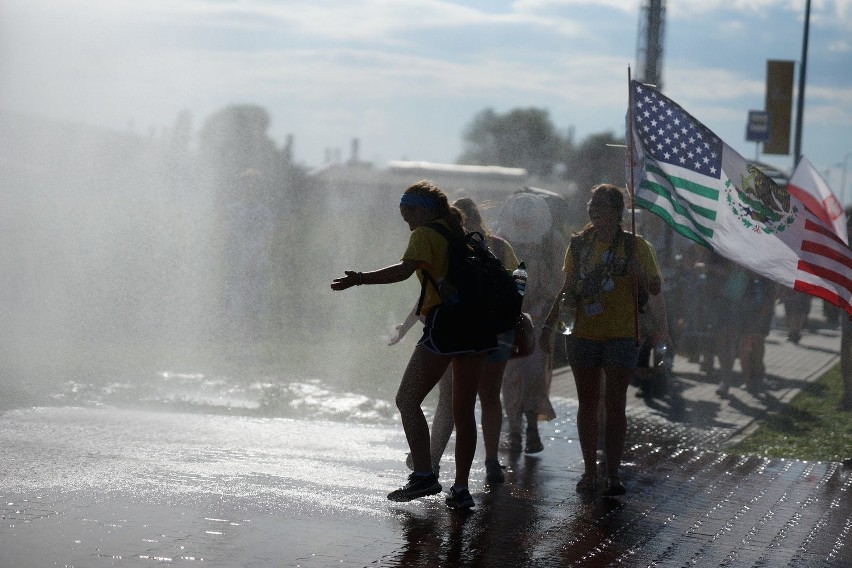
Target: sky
x: 405, y: 77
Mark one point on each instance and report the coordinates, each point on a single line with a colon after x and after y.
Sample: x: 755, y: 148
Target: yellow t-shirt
x: 510, y: 260
x: 610, y: 314
x: 428, y: 248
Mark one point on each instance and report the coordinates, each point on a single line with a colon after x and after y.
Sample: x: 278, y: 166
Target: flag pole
x: 800, y: 103
x: 631, y: 191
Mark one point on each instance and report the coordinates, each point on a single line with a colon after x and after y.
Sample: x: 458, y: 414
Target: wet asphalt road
x: 106, y: 486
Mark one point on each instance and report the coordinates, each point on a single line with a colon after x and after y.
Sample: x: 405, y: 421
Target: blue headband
x: 411, y: 200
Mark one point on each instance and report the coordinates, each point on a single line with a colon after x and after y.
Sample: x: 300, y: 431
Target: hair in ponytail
x: 452, y: 215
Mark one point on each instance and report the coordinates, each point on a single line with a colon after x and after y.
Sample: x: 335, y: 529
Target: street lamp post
x: 800, y: 103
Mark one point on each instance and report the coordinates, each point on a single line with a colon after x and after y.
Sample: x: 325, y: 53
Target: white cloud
x: 840, y: 46
x: 334, y: 69
x: 548, y: 6
x: 696, y: 9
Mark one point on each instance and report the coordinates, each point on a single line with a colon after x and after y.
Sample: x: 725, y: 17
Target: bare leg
x: 512, y: 398
x: 467, y: 371
x: 747, y: 355
x: 492, y: 409
x: 758, y: 353
x: 725, y: 352
x: 617, y: 379
x: 442, y: 423
x: 588, y: 393
x: 421, y: 375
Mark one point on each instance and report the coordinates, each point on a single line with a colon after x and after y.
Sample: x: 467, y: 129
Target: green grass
x: 811, y: 427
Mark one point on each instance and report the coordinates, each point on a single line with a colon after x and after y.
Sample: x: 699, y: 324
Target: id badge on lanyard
x: 593, y: 309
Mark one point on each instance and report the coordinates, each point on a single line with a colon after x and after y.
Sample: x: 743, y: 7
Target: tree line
x: 527, y: 138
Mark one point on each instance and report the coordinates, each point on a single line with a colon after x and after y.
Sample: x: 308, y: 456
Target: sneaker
x: 534, y: 444
x: 614, y: 487
x: 417, y: 486
x: 494, y: 472
x: 588, y: 483
x: 460, y: 499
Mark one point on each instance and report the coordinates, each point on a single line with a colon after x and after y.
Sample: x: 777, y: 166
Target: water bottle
x: 520, y: 276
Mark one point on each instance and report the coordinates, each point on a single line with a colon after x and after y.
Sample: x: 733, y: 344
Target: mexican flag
x: 710, y: 194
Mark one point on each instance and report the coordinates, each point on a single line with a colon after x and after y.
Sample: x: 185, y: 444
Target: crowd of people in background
x: 718, y: 313
x: 584, y: 285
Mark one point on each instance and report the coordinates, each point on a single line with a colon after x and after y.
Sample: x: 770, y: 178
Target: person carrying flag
x: 604, y: 268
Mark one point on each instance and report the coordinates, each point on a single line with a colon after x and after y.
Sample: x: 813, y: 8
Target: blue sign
x: 758, y: 126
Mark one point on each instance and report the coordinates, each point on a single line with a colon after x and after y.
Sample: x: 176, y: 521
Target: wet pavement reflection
x: 105, y: 486
x: 188, y: 469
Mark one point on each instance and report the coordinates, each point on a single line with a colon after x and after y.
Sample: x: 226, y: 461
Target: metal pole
x: 803, y: 65
x: 631, y: 164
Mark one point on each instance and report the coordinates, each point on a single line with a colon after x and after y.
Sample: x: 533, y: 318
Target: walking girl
x: 444, y: 342
x: 603, y: 278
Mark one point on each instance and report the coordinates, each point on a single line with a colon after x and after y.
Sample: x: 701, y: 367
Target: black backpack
x: 477, y: 283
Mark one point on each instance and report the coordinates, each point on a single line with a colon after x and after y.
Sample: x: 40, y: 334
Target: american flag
x: 710, y: 194
x: 671, y: 136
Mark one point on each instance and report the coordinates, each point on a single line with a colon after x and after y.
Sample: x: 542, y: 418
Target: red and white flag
x: 813, y: 191
x: 707, y: 192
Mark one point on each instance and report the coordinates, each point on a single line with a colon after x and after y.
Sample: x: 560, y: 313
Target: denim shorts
x: 589, y: 353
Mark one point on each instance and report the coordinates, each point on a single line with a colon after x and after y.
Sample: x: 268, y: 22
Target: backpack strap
x: 577, y: 244
x: 442, y: 229
x: 427, y: 276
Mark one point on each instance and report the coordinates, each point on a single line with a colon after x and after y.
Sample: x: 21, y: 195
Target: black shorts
x: 448, y: 330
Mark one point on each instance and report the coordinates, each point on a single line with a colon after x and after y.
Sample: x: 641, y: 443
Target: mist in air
x: 158, y: 241
x: 160, y: 245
